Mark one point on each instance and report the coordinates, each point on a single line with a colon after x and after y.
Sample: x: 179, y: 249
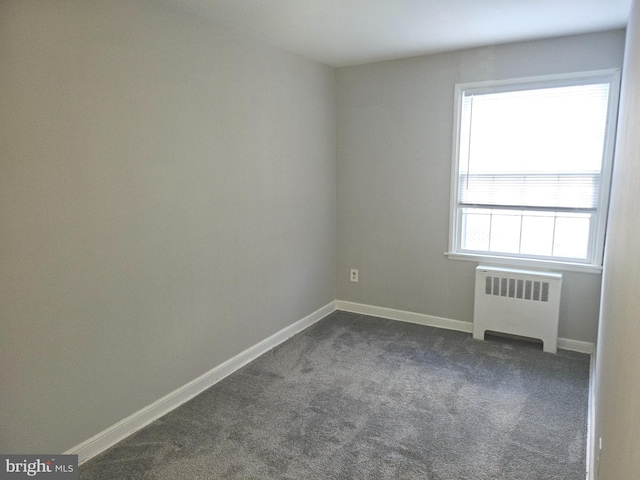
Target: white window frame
x: 593, y: 264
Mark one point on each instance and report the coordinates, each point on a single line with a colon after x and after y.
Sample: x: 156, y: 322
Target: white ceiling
x: 350, y: 32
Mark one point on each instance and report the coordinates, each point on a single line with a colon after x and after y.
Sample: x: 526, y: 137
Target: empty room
x: 319, y: 239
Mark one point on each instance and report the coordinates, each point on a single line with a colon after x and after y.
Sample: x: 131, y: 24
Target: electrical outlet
x: 354, y: 275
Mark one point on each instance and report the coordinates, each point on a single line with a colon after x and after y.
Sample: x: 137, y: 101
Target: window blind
x: 533, y: 149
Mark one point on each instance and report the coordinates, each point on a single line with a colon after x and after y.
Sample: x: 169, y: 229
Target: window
x: 531, y: 170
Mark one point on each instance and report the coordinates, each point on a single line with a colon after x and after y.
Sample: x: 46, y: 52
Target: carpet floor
x: 358, y: 397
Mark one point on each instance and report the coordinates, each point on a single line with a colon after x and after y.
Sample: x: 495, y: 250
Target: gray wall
x: 167, y: 199
x: 618, y: 357
x: 393, y: 175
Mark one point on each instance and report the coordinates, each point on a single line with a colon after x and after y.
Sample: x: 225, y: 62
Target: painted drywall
x: 167, y: 200
x: 617, y: 403
x: 394, y: 144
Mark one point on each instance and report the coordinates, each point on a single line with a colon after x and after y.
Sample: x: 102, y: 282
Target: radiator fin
x: 535, y: 290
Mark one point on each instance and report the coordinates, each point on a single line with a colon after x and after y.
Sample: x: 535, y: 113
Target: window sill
x: 520, y: 262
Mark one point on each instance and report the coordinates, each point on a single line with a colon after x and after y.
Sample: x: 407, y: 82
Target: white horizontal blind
x: 560, y: 191
x: 540, y: 148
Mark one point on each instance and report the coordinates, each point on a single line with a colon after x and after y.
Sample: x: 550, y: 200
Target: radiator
x: 517, y: 302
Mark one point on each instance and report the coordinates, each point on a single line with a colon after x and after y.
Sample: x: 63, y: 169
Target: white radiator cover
x: 517, y: 302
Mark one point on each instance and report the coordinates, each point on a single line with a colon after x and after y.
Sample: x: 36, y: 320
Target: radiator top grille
x: 519, y: 288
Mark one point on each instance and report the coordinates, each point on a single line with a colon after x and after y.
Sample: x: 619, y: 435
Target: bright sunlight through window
x: 532, y: 168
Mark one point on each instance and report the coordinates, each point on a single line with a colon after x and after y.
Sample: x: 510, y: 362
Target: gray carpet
x: 357, y: 397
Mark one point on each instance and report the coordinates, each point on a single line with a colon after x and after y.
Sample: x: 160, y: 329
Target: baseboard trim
x: 592, y: 443
x: 119, y: 431
x: 576, y: 345
x: 441, y: 322
x: 405, y: 316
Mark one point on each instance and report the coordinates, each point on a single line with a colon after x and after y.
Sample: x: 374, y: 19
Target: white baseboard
x: 593, y: 446
x: 576, y: 345
x: 404, y: 316
x: 441, y: 322
x: 112, y: 435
